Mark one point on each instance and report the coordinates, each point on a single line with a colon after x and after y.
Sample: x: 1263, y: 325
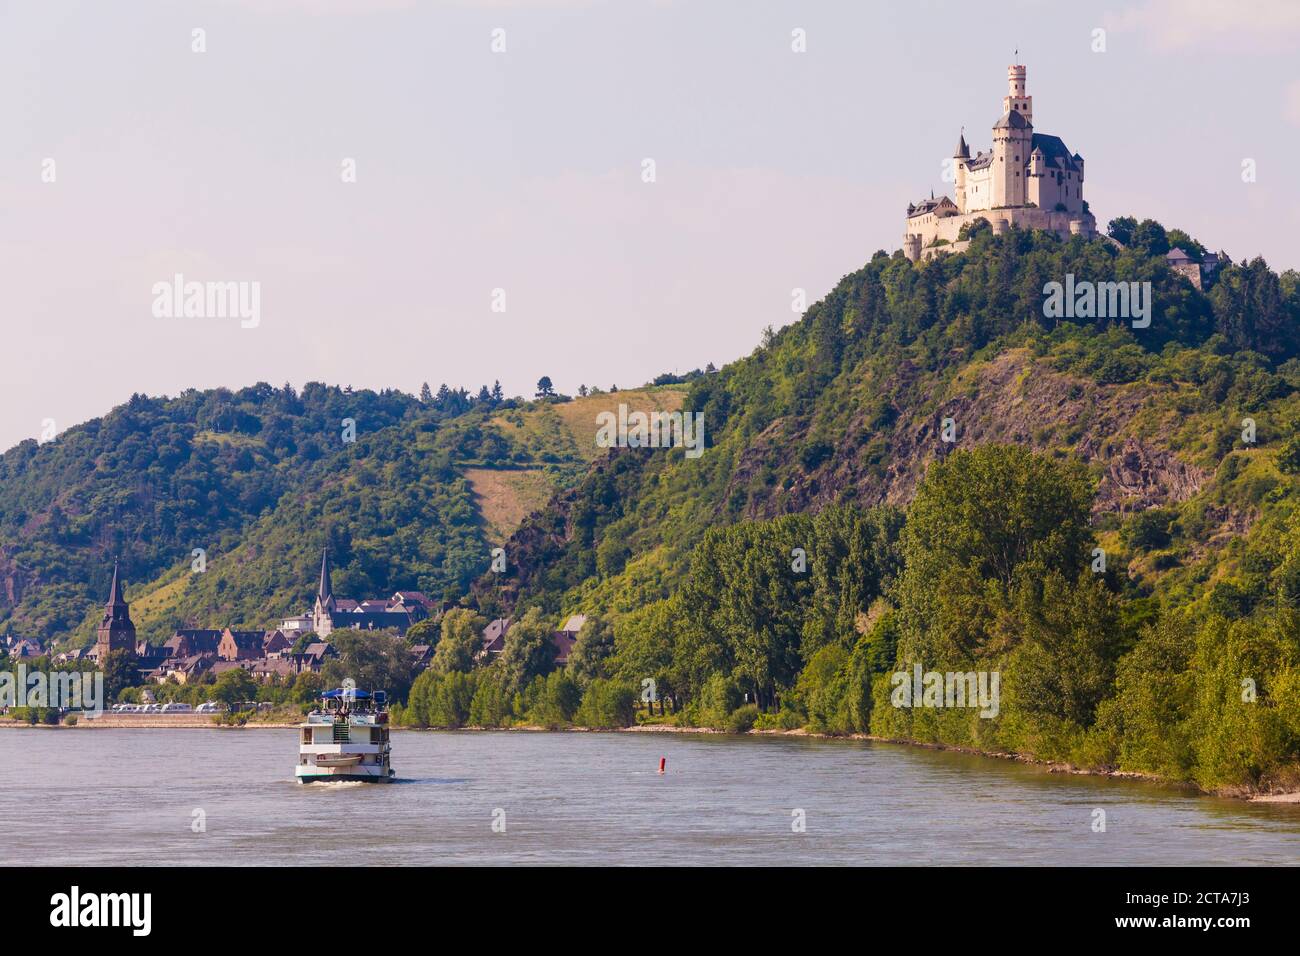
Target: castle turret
x: 1012, y: 136
x: 1016, y: 100
x: 960, y: 158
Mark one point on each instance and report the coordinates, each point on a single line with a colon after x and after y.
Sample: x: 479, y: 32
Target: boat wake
x: 335, y: 785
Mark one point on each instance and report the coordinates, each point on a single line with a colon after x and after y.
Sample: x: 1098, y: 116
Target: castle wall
x: 1046, y: 192
x: 979, y: 189
x: 947, y: 229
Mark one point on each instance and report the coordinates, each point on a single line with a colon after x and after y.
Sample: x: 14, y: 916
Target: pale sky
x: 522, y: 171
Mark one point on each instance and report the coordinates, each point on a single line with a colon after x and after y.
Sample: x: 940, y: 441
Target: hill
x: 929, y: 469
x: 1165, y: 456
x: 260, y: 479
x: 848, y: 403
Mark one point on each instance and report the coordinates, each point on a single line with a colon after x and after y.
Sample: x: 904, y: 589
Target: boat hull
x: 311, y: 774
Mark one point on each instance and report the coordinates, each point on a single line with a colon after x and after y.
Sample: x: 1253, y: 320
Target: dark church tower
x: 116, y: 632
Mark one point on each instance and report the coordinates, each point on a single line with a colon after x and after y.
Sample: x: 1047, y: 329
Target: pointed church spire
x: 115, y: 631
x: 325, y: 590
x: 115, y: 591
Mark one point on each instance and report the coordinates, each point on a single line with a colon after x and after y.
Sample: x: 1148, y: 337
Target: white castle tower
x: 1026, y: 179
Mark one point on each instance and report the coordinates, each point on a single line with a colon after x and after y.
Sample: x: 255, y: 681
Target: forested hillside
x: 926, y: 469
x: 261, y: 479
x: 1111, y: 529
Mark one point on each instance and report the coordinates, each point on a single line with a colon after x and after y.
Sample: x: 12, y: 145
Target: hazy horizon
x: 522, y: 171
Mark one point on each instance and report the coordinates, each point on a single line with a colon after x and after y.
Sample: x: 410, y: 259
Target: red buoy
x: 662, y: 762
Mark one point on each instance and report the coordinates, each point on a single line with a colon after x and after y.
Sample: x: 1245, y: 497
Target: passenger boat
x: 346, y: 739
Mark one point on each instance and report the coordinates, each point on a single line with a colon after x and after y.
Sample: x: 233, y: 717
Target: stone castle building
x: 115, y: 631
x: 1026, y: 179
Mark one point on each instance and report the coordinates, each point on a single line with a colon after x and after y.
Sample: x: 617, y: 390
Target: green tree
x: 441, y: 700
x: 855, y: 557
x: 607, y: 704
x: 977, y: 518
x: 592, y: 650
x: 451, y: 700
x: 1149, y: 530
x: 822, y: 691
x: 234, y: 687
x: 746, y: 585
x: 462, y: 636
x: 529, y: 651
x: 718, y: 700
x: 307, y: 687
x: 376, y: 660
x: 652, y: 644
x: 426, y: 632
x: 1122, y: 229
x: 551, y: 701
x: 1068, y: 638
x: 490, y: 706
x: 119, y: 673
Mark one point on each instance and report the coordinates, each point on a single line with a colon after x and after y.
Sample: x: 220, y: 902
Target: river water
x: 131, y: 796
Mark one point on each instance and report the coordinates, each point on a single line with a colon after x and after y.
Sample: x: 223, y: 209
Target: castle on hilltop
x: 1027, y: 179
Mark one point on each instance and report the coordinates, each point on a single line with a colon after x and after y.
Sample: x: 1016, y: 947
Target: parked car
x: 176, y: 707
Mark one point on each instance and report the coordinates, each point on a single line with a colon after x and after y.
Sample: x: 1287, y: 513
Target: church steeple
x: 322, y: 613
x: 116, y: 632
x: 325, y: 590
x: 115, y: 590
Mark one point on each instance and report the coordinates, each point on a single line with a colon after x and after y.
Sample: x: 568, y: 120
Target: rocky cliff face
x: 1013, y: 398
x: 1009, y: 400
x: 14, y: 581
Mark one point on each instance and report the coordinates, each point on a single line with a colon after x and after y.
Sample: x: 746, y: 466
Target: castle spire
x: 963, y: 151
